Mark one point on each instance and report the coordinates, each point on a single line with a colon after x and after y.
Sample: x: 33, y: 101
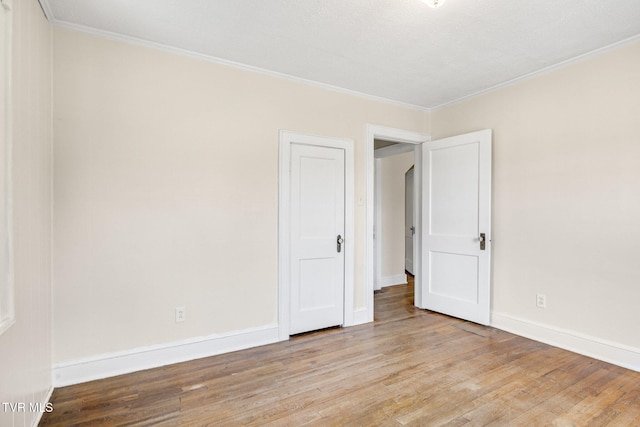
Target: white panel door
x: 456, y: 218
x: 317, y: 225
x: 409, y: 225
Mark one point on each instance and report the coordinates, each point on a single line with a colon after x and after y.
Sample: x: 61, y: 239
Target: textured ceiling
x: 400, y: 50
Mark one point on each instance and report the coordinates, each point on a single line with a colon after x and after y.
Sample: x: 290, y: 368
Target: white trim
x: 138, y: 359
x: 284, y: 242
x: 284, y: 253
x: 608, y: 351
x: 350, y: 234
x: 158, y: 46
x: 47, y: 399
x: 396, y: 279
x: 537, y: 73
x: 417, y: 223
x: 373, y: 132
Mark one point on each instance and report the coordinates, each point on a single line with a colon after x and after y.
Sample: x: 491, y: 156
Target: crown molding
x: 220, y: 61
x: 537, y: 73
x: 209, y: 58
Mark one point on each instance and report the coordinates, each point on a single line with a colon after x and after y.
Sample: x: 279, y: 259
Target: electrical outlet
x: 181, y: 314
x: 541, y: 301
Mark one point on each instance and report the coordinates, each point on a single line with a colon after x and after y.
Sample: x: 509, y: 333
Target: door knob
x: 339, y: 241
x: 483, y: 240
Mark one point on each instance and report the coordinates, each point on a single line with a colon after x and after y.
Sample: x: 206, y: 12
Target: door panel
x: 454, y: 170
x: 317, y: 219
x: 456, y: 208
x: 314, y: 275
x: 453, y: 276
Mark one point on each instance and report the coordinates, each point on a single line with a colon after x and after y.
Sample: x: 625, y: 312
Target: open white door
x: 456, y: 226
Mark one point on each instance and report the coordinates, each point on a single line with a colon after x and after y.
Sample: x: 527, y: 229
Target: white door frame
x: 287, y: 138
x: 372, y: 133
x: 377, y: 225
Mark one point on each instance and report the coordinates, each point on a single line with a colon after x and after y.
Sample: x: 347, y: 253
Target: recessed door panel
x: 317, y: 197
x: 454, y: 170
x: 315, y: 274
x: 454, y: 276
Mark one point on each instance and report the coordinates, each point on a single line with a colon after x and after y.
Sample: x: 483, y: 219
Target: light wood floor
x: 410, y: 367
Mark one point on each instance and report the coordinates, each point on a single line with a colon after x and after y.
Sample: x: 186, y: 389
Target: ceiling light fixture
x: 434, y: 3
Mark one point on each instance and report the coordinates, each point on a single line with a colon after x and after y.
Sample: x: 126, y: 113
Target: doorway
x: 403, y: 140
x: 315, y: 233
x: 409, y: 220
x: 392, y: 162
x: 453, y: 222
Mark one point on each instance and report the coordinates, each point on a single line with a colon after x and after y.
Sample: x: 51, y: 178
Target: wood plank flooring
x: 410, y: 367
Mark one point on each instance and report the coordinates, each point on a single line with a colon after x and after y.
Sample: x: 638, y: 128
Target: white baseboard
x: 607, y: 351
x: 397, y: 279
x: 109, y: 365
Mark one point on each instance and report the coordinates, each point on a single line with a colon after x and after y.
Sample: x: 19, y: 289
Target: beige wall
x: 566, y: 193
x: 166, y: 195
x: 166, y: 191
x: 25, y: 349
x: 392, y: 198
